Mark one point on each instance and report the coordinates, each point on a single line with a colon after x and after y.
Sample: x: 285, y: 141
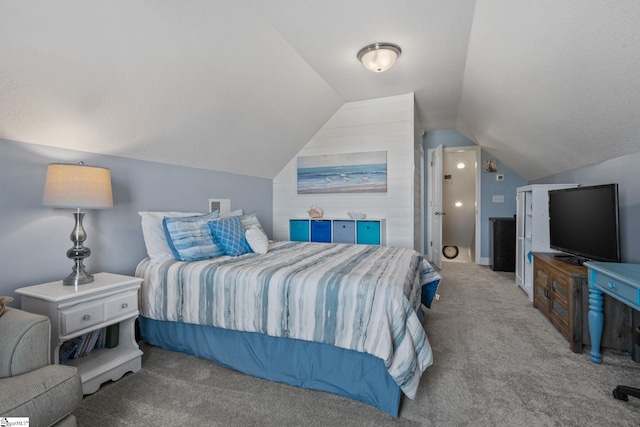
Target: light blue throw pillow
x: 229, y: 233
x: 190, y: 238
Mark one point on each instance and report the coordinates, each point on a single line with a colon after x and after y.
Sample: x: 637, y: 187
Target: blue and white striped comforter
x: 357, y: 297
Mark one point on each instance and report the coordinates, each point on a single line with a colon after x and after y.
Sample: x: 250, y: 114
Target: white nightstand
x: 74, y: 311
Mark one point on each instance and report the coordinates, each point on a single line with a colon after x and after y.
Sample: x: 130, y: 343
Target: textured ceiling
x: 241, y: 87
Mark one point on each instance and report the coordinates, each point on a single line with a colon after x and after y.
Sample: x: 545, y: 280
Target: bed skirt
x: 358, y: 376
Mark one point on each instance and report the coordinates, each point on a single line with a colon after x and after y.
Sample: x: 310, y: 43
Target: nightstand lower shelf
x: 108, y: 364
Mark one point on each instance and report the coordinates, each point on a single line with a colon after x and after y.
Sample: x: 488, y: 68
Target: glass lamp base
x: 78, y: 253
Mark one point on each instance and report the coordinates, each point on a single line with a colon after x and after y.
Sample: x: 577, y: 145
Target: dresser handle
x: 125, y: 305
x: 86, y: 317
x: 611, y: 285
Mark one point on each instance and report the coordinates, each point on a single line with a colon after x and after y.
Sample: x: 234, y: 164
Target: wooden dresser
x: 561, y: 293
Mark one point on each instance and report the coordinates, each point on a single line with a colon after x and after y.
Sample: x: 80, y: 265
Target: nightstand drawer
x: 116, y: 307
x: 81, y: 316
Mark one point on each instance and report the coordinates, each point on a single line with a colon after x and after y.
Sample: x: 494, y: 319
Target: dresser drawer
x: 81, y: 316
x: 123, y: 304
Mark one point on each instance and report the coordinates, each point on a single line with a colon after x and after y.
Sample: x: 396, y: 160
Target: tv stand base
x: 571, y: 259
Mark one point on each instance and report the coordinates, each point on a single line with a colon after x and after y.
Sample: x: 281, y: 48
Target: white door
x: 435, y: 206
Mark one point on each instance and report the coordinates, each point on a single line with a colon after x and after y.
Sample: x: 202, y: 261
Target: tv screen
x: 583, y: 221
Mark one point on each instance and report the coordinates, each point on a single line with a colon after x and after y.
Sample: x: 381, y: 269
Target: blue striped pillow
x: 229, y: 233
x: 190, y: 238
x: 250, y: 220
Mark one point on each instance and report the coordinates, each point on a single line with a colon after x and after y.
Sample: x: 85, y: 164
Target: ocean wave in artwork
x: 343, y: 179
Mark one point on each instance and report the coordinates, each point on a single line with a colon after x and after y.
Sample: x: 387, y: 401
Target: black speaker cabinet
x: 503, y: 244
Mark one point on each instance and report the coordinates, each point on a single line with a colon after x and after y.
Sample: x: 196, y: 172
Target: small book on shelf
x: 83, y: 347
x: 93, y: 338
x: 81, y: 342
x: 102, y: 338
x: 68, y: 348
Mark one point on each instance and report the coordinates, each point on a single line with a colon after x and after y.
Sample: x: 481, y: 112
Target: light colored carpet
x: 498, y: 362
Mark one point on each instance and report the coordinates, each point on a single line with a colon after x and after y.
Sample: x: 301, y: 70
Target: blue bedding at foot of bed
x: 317, y: 366
x: 429, y: 292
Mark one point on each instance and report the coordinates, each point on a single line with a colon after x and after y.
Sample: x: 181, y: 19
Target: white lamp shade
x: 77, y: 186
x: 379, y: 57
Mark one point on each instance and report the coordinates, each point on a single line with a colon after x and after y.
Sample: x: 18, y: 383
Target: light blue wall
x: 446, y: 138
x: 489, y: 186
x: 34, y: 239
x: 624, y: 172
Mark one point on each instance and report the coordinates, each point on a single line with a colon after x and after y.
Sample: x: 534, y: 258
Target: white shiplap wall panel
x: 358, y: 118
x: 418, y: 150
x: 381, y: 129
x: 365, y: 140
x: 384, y: 124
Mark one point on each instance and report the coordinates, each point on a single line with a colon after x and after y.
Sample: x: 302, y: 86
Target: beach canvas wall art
x: 343, y: 173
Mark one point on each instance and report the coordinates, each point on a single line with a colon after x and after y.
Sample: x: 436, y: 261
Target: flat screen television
x: 583, y: 223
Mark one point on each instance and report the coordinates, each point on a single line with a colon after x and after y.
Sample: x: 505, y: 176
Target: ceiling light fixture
x: 379, y: 57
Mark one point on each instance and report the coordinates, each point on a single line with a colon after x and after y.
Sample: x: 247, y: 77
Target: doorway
x: 459, y: 213
x: 459, y: 205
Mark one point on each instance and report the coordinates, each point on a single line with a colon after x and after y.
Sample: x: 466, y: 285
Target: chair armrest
x: 25, y: 339
x: 45, y: 395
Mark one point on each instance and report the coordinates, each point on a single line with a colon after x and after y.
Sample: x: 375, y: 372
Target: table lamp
x: 78, y: 187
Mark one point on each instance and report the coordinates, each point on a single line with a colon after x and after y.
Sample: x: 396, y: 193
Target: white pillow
x: 154, y: 237
x: 258, y: 241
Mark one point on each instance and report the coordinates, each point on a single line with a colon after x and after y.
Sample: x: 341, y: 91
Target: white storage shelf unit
x: 336, y: 230
x: 532, y: 229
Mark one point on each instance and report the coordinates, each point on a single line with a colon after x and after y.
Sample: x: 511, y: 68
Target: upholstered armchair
x: 30, y: 386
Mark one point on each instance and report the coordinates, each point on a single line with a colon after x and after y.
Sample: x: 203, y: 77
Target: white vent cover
x: 223, y: 205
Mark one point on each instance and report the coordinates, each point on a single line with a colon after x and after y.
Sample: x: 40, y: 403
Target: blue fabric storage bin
x: 368, y: 232
x: 299, y: 230
x: 321, y: 231
x: 344, y: 231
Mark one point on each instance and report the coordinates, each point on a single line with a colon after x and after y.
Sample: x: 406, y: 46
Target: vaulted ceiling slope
x: 241, y: 86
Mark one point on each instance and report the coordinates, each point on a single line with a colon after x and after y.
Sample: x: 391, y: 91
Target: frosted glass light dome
x: 379, y: 57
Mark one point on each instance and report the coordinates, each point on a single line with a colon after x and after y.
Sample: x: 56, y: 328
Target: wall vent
x: 223, y: 205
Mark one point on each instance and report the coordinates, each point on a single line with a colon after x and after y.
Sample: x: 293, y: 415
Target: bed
x: 345, y: 319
